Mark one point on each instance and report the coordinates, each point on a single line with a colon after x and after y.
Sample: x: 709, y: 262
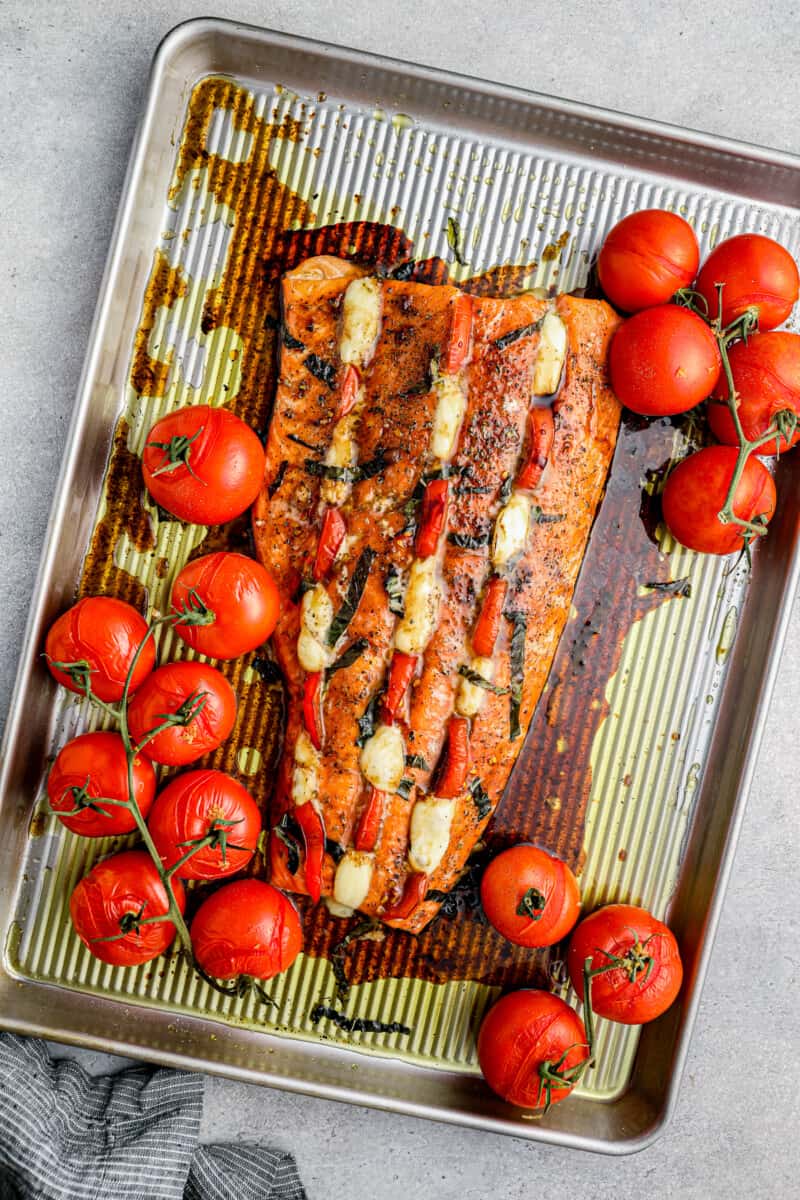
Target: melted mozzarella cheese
x: 431, y: 821
x: 305, y: 774
x: 316, y: 615
x: 449, y: 413
x: 361, y: 323
x: 423, y: 597
x: 550, y: 355
x: 383, y: 758
x: 342, y: 452
x: 511, y: 529
x: 470, y: 696
x: 353, y: 879
x: 335, y: 909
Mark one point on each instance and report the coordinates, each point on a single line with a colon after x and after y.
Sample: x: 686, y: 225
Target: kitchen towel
x: 67, y: 1135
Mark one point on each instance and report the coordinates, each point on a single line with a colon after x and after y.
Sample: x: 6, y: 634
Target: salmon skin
x: 434, y: 465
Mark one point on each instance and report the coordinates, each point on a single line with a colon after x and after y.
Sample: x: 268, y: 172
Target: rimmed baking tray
x: 649, y: 729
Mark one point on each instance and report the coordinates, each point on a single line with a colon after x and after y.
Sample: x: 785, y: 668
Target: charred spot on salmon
x: 514, y: 335
x: 671, y: 587
x: 278, y: 480
x: 355, y: 590
x: 292, y: 343
x: 468, y: 541
x: 348, y: 657
x: 322, y: 370
x: 480, y: 797
x: 293, y: 437
x: 395, y: 591
x: 267, y: 669
x: 355, y: 1024
x: 481, y: 681
x: 416, y: 760
x: 288, y: 831
x: 539, y: 517
x: 517, y: 655
x: 373, y: 466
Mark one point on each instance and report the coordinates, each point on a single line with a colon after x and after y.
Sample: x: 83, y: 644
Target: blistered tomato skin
x: 94, y: 765
x: 203, y: 464
x: 766, y: 375
x: 166, y: 691
x: 530, y: 897
x: 124, y: 886
x: 239, y: 593
x: 663, y: 361
x: 695, y: 493
x: 104, y: 633
x: 191, y: 807
x: 523, y: 1031
x: 646, y: 258
x: 246, y: 928
x: 757, y: 273
x: 616, y: 931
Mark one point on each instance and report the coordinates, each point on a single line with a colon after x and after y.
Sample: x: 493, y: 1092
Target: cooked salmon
x: 434, y: 465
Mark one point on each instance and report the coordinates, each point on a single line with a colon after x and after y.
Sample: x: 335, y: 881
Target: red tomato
x: 649, y: 972
x: 183, y: 685
x: 521, y: 1040
x: 195, y: 805
x: 93, y: 765
x: 102, y: 634
x: 646, y: 258
x: 246, y: 928
x: 203, y: 464
x: 117, y: 896
x: 757, y: 273
x: 766, y: 374
x: 696, y: 490
x: 241, y: 597
x: 664, y: 360
x: 530, y: 897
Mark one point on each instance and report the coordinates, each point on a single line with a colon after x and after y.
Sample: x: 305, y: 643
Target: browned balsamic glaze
x: 546, y: 797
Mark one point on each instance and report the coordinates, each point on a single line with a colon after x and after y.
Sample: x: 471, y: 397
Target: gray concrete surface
x: 72, y: 78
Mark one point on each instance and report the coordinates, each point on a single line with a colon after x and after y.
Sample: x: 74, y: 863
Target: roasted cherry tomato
x: 204, y: 804
x: 200, y: 699
x: 531, y: 1049
x: 695, y: 493
x: 766, y: 375
x: 112, y: 909
x: 246, y: 928
x: 203, y: 464
x: 100, y: 635
x: 530, y: 897
x: 541, y: 435
x: 414, y: 892
x: 451, y: 776
x: 240, y: 596
x: 331, y: 536
x: 663, y: 360
x: 646, y: 258
x: 401, y: 672
x: 637, y: 960
x: 758, y: 274
x: 488, y: 625
x: 94, y: 765
x: 456, y: 350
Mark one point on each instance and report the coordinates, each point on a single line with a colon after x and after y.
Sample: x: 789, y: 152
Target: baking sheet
x: 268, y: 154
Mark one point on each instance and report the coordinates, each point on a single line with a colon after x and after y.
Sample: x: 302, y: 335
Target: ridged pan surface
x: 617, y: 749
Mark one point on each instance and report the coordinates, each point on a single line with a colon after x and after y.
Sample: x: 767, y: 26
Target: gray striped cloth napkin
x: 67, y: 1135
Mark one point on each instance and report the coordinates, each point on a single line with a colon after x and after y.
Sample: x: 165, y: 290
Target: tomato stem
x: 177, y: 453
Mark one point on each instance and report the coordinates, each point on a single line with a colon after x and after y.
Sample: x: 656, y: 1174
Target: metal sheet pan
x: 373, y: 138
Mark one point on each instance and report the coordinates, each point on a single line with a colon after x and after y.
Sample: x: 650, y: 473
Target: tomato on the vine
x: 113, y: 907
x: 203, y: 464
x: 646, y: 258
x: 246, y: 928
x: 695, y: 494
x: 663, y: 360
x: 757, y: 272
x: 241, y: 598
x: 204, y: 804
x: 95, y: 765
x: 637, y: 957
x: 766, y: 375
x: 532, y: 1048
x: 530, y: 897
x: 201, y: 703
x: 98, y: 637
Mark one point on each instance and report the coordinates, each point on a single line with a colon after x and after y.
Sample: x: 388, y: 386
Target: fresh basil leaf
x: 288, y: 832
x: 308, y: 445
x: 278, y: 480
x: 481, y: 681
x: 348, y: 657
x: 514, y: 335
x: 355, y: 590
x: 542, y: 518
x: 517, y: 655
x: 416, y: 760
x: 481, y: 798
x: 324, y: 371
x: 395, y: 591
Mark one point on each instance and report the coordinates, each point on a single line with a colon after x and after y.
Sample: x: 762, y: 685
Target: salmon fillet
x: 434, y: 465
